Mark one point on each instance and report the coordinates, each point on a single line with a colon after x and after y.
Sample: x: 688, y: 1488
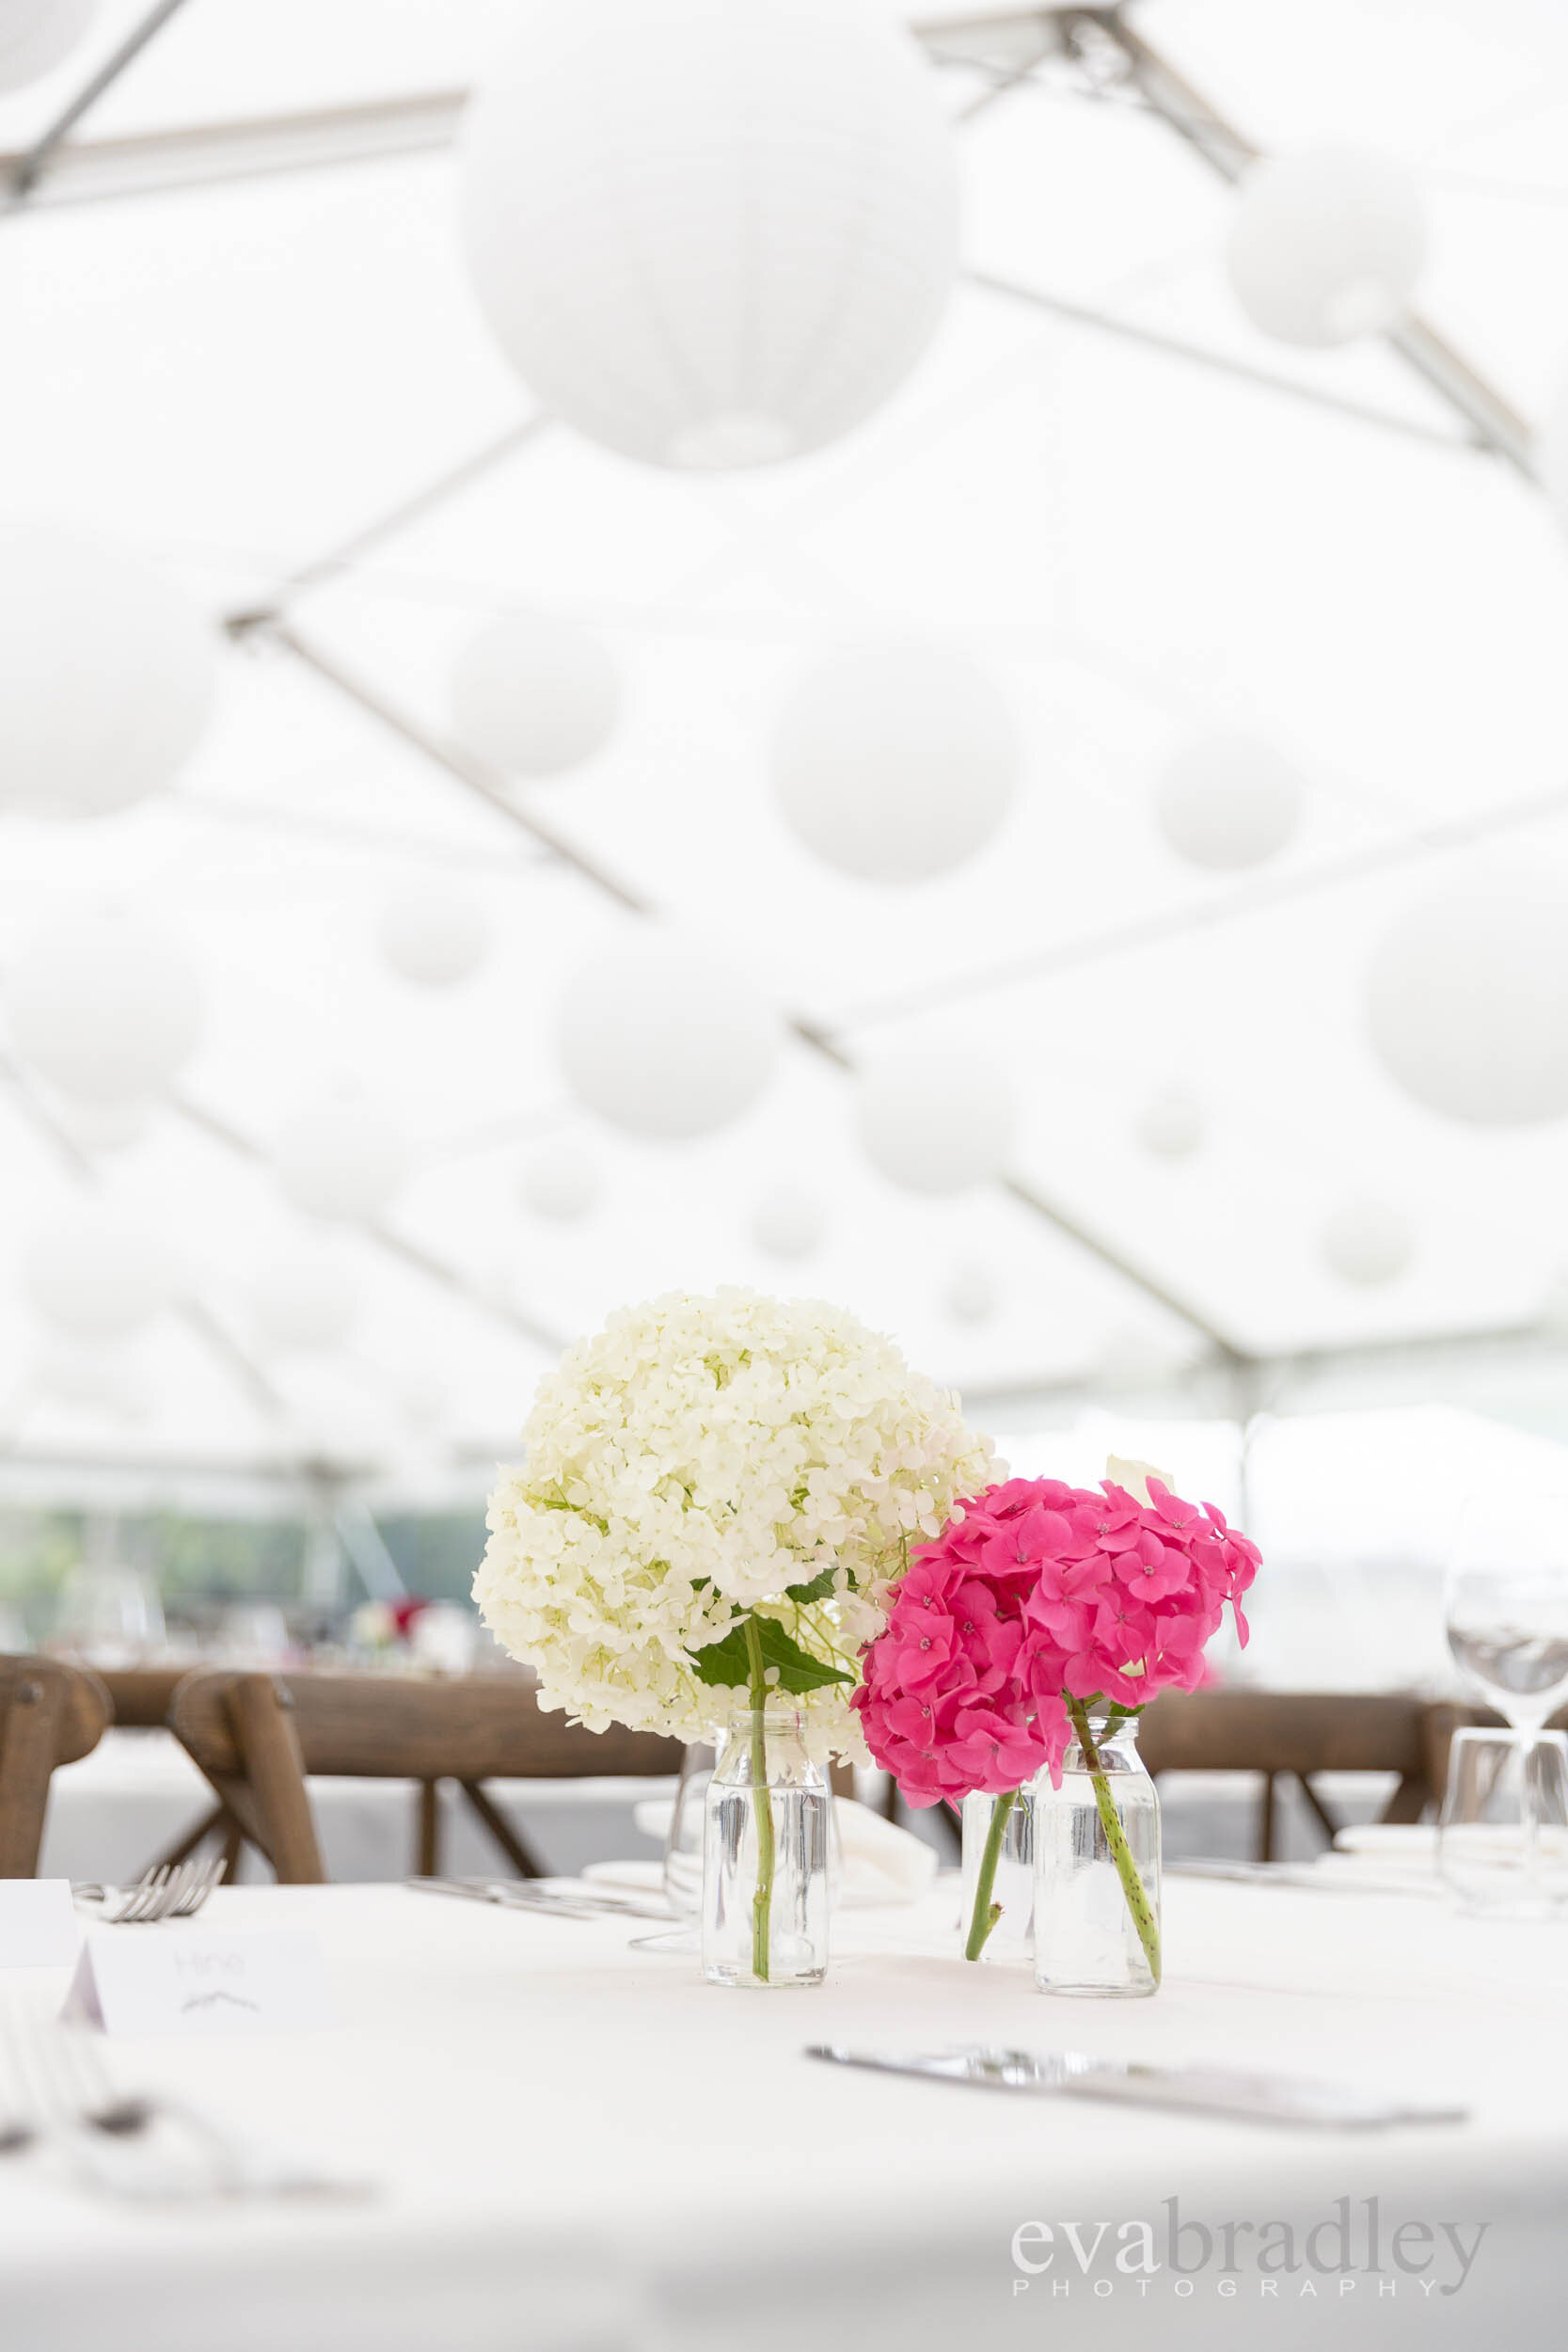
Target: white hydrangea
x: 701, y: 1454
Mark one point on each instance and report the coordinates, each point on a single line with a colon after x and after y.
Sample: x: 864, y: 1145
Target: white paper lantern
x: 38, y: 35
x: 789, y: 1225
x: 1467, y: 996
x: 305, y: 1301
x: 934, y: 1115
x: 1326, y: 245
x: 972, y: 1294
x: 895, y: 763
x: 1229, y: 802
x: 664, y: 1045
x: 534, y: 695
x: 102, y: 1128
x: 341, y: 1159
x: 1366, y: 1243
x: 104, y: 1006
x: 562, y: 1183
x: 107, y: 676
x: 100, y: 1379
x: 1170, y: 1126
x: 435, y: 934
x: 710, y: 233
x: 98, y: 1275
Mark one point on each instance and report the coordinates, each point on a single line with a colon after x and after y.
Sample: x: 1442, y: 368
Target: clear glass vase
x: 1096, y: 1869
x: 1008, y: 1867
x: 765, y: 1855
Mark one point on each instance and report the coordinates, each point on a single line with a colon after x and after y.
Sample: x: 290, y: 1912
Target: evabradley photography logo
x: 1358, y: 2246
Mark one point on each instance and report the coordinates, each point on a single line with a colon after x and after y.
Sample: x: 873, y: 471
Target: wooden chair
x: 258, y: 1736
x: 1298, y: 1733
x: 49, y: 1714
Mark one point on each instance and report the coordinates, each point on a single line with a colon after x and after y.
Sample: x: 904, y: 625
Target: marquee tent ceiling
x: 246, y: 377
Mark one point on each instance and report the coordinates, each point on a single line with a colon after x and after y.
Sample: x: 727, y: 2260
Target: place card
x: 193, y: 1981
x: 38, y: 1924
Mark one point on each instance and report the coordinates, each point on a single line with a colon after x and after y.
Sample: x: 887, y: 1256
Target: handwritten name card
x: 191, y: 1980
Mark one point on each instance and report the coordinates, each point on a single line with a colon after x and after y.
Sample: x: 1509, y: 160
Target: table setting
x: 1058, y: 2086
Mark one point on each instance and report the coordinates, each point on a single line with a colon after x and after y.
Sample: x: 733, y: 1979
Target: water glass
x: 1503, y: 1840
x: 1506, y: 1608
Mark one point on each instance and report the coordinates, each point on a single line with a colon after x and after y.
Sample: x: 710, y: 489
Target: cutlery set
x: 577, y: 1900
x: 174, y: 1891
x: 1221, y: 2090
x: 58, y: 2096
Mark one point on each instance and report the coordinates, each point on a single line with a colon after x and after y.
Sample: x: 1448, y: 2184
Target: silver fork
x: 113, y: 2140
x: 170, y: 1892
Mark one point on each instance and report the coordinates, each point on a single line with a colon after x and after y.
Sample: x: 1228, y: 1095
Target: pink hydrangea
x: 1035, y: 1592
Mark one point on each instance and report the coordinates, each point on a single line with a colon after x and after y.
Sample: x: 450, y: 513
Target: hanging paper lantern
x: 97, y: 1378
x: 935, y: 1116
x: 971, y: 1296
x: 1326, y: 245
x: 435, y: 934
x: 106, y: 680
x: 1170, y: 1127
x: 305, y: 1301
x: 534, y: 695
x: 97, y: 1275
x: 102, y: 1128
x: 562, y: 1183
x: 104, y: 1006
x: 342, y: 1159
x: 714, y: 232
x: 895, y: 763
x: 664, y: 1045
x: 38, y: 35
x: 1467, y: 996
x: 789, y: 1225
x: 1366, y: 1243
x: 1229, y: 802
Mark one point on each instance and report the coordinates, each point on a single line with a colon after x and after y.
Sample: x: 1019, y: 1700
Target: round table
x: 579, y: 2145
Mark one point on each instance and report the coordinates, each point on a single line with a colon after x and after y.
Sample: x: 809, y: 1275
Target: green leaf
x: 799, y: 1672
x: 818, y: 1589
x: 726, y: 1662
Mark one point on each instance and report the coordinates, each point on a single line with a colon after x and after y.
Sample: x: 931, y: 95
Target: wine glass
x: 1506, y: 1609
x: 683, y: 1855
x: 1506, y: 1616
x: 108, y: 1614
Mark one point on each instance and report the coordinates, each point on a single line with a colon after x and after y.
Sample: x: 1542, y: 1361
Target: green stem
x: 762, y: 1898
x: 1116, y: 1838
x: 986, y: 1913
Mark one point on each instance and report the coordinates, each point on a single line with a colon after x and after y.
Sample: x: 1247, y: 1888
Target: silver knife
x: 1202, y: 2089
x: 553, y: 1902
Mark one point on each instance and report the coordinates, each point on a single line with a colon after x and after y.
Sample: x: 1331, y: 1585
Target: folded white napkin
x: 879, y: 1864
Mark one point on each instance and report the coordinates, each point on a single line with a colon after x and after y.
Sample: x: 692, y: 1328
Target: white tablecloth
x: 582, y: 2146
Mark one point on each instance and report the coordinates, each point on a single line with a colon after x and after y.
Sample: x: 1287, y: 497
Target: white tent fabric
x: 238, y: 377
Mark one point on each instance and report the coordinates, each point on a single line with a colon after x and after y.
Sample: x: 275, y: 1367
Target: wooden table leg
x: 510, y: 1841
x: 427, y: 1840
